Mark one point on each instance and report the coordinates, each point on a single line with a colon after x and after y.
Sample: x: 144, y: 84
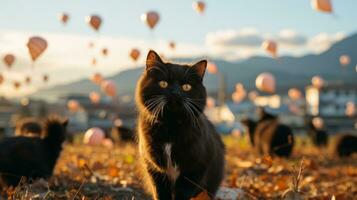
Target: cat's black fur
x: 28, y: 127
x: 318, y: 136
x: 32, y: 157
x: 345, y: 145
x: 268, y: 136
x: 122, y: 134
x: 196, y: 149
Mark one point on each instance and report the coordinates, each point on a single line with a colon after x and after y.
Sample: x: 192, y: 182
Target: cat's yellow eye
x: 163, y: 84
x: 186, y: 87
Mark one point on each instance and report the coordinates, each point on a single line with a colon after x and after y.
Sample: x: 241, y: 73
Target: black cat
x: 181, y: 153
x: 318, y: 136
x: 345, y: 145
x: 32, y: 157
x: 28, y: 127
x: 122, y: 134
x: 268, y: 136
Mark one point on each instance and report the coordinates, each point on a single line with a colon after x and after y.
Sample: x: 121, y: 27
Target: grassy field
x: 85, y: 172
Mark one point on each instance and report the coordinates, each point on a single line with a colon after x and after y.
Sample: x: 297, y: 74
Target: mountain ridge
x: 289, y: 72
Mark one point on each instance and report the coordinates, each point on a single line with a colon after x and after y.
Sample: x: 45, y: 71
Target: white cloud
x: 237, y: 44
x: 248, y: 38
x: 323, y: 41
x: 290, y: 38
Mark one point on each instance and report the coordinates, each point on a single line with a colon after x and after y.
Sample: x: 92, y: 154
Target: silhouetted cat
x: 268, y: 136
x: 32, y: 157
x: 318, y: 136
x: 180, y: 151
x: 345, y: 145
x: 122, y: 134
x: 28, y: 127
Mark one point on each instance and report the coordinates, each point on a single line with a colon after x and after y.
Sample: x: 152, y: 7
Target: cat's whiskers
x: 158, y: 110
x: 155, y: 107
x: 152, y: 102
x: 191, y: 112
x: 196, y: 99
x: 196, y: 105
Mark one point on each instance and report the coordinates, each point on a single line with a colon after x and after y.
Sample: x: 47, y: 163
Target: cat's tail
x: 55, y: 131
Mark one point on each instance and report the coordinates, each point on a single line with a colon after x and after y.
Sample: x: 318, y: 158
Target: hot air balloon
x: 345, y: 60
x: 108, y: 143
x: 294, y: 108
x: 94, y: 136
x: 36, y: 46
x: 199, y: 6
x: 294, y: 94
x: 16, y: 85
x: 25, y: 101
x: 271, y: 47
x: 94, y: 21
x: 317, y: 82
x: 237, y: 97
x: 265, y: 82
x: 27, y: 79
x: 135, y: 54
x: 63, y: 17
x: 9, y: 59
x: 94, y: 97
x: 172, y: 45
x: 322, y: 5
x: 210, y: 102
x: 151, y: 18
x: 239, y: 87
x: 109, y: 88
x: 212, y: 68
x: 318, y: 122
x: 94, y: 61
x: 73, y: 106
x: 1, y: 79
x: 45, y: 78
x: 239, y: 93
x: 96, y: 78
x: 252, y: 95
x: 105, y: 51
x: 350, y: 109
x: 118, y: 122
x: 90, y: 44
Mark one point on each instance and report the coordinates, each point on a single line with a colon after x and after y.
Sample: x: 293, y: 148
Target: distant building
x: 330, y: 103
x: 6, y: 110
x: 272, y: 101
x: 101, y: 114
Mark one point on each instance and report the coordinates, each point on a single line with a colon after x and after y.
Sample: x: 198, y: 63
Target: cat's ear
x: 200, y: 68
x: 152, y: 59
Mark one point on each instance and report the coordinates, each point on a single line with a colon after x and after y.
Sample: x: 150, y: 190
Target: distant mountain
x: 289, y: 72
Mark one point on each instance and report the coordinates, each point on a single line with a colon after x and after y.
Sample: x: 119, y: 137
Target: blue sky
x: 229, y: 29
x: 178, y: 20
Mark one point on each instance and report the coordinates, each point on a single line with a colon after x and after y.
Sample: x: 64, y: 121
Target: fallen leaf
x: 202, y: 196
x: 267, y: 160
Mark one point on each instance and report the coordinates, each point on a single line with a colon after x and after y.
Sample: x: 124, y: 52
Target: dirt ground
x: 84, y: 172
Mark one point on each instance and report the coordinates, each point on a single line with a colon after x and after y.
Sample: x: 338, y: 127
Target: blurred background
x: 82, y: 59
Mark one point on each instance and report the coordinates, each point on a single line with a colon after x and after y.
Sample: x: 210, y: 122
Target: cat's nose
x: 175, y: 91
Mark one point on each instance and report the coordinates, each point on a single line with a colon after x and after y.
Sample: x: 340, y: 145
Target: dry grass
x: 86, y: 172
